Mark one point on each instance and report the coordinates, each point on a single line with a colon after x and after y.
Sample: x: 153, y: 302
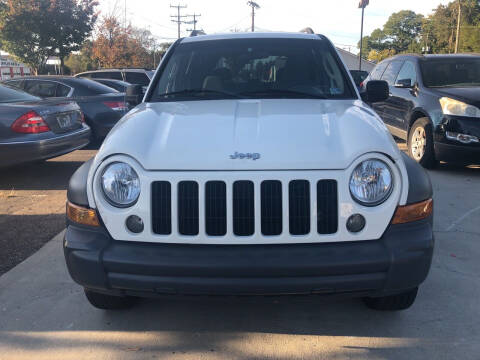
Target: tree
x: 33, y: 30
x: 82, y: 60
x: 377, y: 56
x: 115, y: 46
x: 440, y: 27
x: 400, y: 33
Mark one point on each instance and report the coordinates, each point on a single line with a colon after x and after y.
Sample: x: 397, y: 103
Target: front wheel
x: 109, y: 302
x: 397, y: 302
x: 420, y: 143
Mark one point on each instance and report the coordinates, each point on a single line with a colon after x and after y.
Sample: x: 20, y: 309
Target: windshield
x: 454, y: 72
x: 9, y: 95
x: 253, y: 68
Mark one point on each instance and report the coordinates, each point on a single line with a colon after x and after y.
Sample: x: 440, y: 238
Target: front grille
x: 188, y: 208
x: 271, y: 199
x: 237, y: 205
x: 299, y: 205
x: 215, y: 208
x: 327, y: 207
x: 162, y: 207
x: 243, y: 208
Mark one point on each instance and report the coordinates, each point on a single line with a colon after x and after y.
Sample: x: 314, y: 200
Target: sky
x: 337, y: 19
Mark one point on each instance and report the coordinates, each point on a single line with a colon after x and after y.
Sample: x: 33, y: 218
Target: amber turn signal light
x: 82, y: 215
x: 413, y: 212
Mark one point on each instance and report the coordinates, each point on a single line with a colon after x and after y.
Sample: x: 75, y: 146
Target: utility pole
x: 254, y: 6
x: 178, y: 17
x: 362, y: 5
x: 194, y: 21
x: 457, y: 40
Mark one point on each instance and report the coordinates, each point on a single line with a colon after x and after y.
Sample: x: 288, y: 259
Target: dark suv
x: 131, y: 76
x: 434, y: 104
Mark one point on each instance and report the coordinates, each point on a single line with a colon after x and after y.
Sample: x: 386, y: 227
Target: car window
x: 377, y: 72
x: 452, y: 72
x: 12, y: 94
x: 84, y: 75
x: 86, y: 87
x: 254, y: 68
x: 408, y: 72
x: 41, y: 88
x: 63, y: 90
x: 137, y: 78
x: 16, y: 83
x: 117, y: 75
x: 391, y: 72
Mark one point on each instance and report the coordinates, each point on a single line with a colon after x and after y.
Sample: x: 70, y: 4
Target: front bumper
x: 26, y: 151
x: 455, y: 151
x: 399, y: 261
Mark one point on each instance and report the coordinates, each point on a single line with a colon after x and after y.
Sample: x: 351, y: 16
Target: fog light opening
x: 463, y: 138
x: 134, y: 224
x: 356, y: 223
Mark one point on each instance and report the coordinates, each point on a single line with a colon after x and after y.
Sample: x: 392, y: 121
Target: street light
x: 362, y: 5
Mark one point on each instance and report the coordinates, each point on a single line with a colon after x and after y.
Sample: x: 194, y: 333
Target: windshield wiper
x: 283, y: 92
x: 194, y: 92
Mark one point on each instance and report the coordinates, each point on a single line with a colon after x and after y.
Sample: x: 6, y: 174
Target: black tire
x: 109, y: 302
x: 427, y: 160
x: 393, y: 302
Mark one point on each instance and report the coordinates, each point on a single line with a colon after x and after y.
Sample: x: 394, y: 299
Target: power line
x: 194, y: 21
x: 179, y: 17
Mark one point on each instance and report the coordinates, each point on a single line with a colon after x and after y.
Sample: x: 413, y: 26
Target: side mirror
x: 404, y: 83
x: 376, y: 91
x: 134, y: 94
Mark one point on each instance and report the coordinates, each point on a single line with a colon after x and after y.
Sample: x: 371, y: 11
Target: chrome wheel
x: 418, y: 143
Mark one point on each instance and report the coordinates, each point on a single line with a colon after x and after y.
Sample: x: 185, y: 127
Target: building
x: 352, y: 61
x: 10, y: 69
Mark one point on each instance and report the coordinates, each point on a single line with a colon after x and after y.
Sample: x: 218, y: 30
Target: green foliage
x: 402, y: 30
x: 440, y: 28
x: 33, y: 30
x: 407, y: 32
x: 399, y: 34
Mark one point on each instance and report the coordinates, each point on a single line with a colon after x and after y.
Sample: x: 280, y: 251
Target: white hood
x: 287, y: 134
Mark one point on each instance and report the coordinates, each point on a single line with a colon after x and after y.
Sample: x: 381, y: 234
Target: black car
x: 434, y: 104
x: 118, y: 85
x: 101, y: 105
x: 33, y: 129
x: 132, y: 76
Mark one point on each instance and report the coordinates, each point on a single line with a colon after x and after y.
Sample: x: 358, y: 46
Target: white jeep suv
x: 251, y: 167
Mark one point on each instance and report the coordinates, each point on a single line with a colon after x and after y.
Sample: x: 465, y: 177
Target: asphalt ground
x: 32, y: 204
x: 44, y: 315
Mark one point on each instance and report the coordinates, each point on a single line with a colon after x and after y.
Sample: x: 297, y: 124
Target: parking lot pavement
x: 32, y: 205
x: 43, y: 314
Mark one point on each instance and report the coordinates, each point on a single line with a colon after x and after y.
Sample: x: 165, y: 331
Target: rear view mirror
x: 404, y: 83
x: 134, y: 94
x: 376, y: 91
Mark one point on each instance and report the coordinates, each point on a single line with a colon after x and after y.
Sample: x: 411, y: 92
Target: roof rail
x: 307, y: 30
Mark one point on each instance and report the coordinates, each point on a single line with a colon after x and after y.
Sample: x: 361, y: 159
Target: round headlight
x: 120, y: 184
x: 371, y: 182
